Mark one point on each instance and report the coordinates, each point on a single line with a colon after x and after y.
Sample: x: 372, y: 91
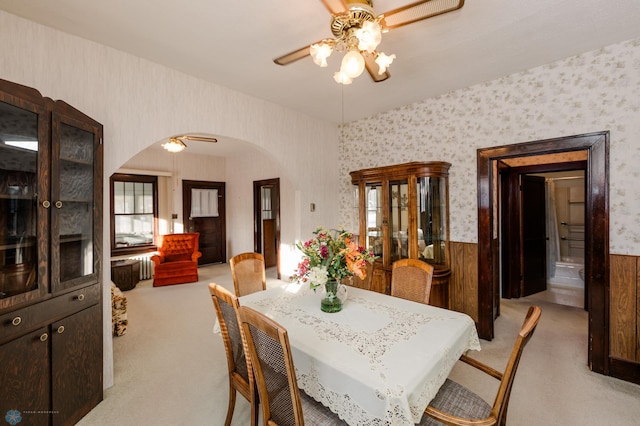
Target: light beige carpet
x: 170, y: 369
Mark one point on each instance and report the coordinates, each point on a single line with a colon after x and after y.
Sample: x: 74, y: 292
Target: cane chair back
x: 456, y: 405
x: 411, y: 280
x: 239, y: 364
x: 248, y: 273
x: 364, y: 283
x: 281, y: 401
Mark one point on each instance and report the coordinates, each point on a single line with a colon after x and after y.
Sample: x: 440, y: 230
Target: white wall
x: 592, y: 92
x: 140, y: 103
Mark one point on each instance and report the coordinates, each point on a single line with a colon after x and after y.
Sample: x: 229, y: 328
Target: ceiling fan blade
x: 372, y: 69
x: 197, y: 138
x: 335, y: 7
x: 418, y: 11
x: 293, y: 56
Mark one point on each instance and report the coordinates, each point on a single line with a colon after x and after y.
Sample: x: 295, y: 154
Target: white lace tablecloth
x: 379, y: 361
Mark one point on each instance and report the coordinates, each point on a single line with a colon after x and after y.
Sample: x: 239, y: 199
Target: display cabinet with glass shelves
x: 403, y: 212
x: 50, y: 258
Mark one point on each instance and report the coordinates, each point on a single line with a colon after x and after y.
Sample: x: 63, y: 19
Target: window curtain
x: 204, y: 202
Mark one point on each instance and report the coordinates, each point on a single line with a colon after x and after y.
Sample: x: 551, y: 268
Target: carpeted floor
x: 170, y: 369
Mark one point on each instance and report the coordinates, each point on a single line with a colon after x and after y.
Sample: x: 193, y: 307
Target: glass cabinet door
x: 373, y: 194
x: 19, y: 165
x: 73, y: 220
x: 432, y: 220
x: 399, y: 219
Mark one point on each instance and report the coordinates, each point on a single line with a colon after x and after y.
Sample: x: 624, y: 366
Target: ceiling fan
x: 358, y: 29
x: 176, y: 143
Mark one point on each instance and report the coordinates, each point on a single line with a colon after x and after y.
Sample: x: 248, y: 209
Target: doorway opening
x: 266, y: 222
x: 564, y: 220
x: 542, y: 216
x: 564, y: 150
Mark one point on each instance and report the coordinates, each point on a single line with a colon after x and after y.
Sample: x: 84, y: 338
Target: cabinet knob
x: 58, y: 204
x: 61, y: 329
x: 44, y: 337
x: 79, y: 297
x: 46, y: 204
x: 16, y: 321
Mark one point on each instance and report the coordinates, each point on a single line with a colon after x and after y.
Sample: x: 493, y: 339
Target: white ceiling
x: 233, y: 43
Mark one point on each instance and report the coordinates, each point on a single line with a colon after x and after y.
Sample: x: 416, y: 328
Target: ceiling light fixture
x: 358, y: 29
x: 176, y: 143
x: 358, y: 32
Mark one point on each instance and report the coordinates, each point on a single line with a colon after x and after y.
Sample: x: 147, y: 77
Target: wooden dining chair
x: 364, y: 283
x: 281, y: 401
x: 248, y: 273
x: 241, y: 377
x: 411, y: 280
x: 456, y: 405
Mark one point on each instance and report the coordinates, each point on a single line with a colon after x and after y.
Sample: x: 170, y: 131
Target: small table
x: 380, y: 360
x: 125, y: 273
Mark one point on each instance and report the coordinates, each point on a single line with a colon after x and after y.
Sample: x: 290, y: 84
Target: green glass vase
x: 331, y: 302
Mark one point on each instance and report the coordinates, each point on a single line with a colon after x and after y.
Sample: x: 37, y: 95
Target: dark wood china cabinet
x: 50, y: 259
x: 403, y: 212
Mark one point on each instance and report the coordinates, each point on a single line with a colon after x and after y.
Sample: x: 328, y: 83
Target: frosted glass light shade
x: 369, y: 36
x: 174, y: 145
x: 384, y: 61
x: 320, y: 52
x: 342, y: 78
x: 352, y: 64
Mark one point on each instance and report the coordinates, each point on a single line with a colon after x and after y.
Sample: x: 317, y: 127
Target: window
x: 134, y: 213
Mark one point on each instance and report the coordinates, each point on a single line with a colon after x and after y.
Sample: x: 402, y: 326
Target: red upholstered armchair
x: 177, y: 261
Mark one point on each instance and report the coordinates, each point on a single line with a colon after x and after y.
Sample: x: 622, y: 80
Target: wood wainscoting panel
x: 463, y: 285
x: 456, y: 281
x: 623, y: 309
x: 637, y: 309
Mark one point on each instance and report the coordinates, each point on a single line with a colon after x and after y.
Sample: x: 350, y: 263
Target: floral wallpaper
x: 590, y: 92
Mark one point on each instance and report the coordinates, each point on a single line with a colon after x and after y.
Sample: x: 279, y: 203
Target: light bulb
x: 352, y: 64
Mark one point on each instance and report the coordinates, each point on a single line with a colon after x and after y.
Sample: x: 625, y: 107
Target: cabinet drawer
x: 23, y: 320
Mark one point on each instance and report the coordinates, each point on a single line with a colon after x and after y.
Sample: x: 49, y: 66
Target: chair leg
x: 232, y: 405
x: 254, y: 412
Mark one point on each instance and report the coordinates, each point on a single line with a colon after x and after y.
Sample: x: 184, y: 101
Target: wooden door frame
x: 596, y: 232
x: 257, y: 216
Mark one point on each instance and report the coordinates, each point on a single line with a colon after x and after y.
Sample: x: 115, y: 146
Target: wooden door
x: 269, y: 242
x: 77, y: 387
x: 510, y: 241
x: 210, y: 225
x: 534, y: 235
x: 25, y: 379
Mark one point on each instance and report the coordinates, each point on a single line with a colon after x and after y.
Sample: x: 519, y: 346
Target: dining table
x: 378, y: 361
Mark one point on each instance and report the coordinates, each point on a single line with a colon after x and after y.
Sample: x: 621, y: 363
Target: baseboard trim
x: 624, y: 369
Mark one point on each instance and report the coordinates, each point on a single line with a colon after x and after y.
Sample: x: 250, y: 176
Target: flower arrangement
x: 331, y: 255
